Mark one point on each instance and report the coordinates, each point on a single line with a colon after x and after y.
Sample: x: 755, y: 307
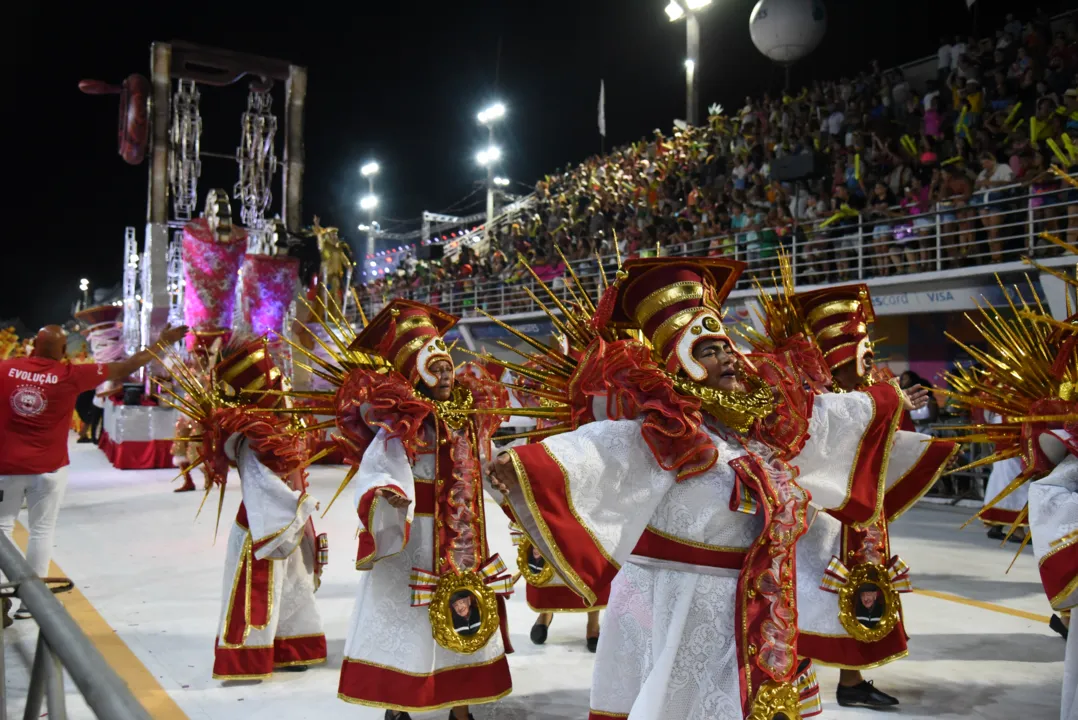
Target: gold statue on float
x: 336, y: 262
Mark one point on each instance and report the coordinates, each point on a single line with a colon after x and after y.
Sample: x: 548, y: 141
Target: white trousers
x: 43, y: 494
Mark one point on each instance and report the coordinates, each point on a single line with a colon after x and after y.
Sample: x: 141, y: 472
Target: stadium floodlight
x: 369, y: 169
x: 690, y: 65
x: 84, y: 284
x: 369, y: 202
x: 501, y: 181
x: 674, y: 11
x: 492, y: 113
x: 489, y: 156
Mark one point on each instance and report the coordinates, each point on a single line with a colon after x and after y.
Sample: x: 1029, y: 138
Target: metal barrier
x: 973, y: 238
x: 61, y: 645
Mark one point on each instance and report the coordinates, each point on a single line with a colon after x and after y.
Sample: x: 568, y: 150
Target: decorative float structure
x: 216, y: 275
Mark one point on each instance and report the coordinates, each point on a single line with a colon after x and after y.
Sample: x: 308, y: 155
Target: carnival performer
x: 702, y: 618
x: 547, y: 594
x: 833, y: 554
x: 428, y: 631
x: 269, y: 618
x: 1003, y: 511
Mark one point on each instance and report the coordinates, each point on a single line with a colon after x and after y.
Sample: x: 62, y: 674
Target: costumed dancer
x: 824, y: 336
x: 187, y: 451
x: 546, y: 592
x: 269, y: 618
x: 1003, y: 511
x: 428, y: 631
x: 702, y: 618
x: 1027, y: 375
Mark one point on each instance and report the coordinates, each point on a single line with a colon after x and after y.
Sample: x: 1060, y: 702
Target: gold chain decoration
x: 737, y: 410
x: 454, y: 411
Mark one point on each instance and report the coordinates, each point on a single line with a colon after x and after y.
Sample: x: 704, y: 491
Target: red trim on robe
x: 299, y: 650
x: 1058, y: 571
x: 999, y: 516
x: 370, y: 684
x: 658, y: 547
x: 241, y: 662
x: 849, y: 653
x: 581, y: 552
x: 259, y: 599
x: 561, y: 598
x: 918, y: 479
x: 868, y: 481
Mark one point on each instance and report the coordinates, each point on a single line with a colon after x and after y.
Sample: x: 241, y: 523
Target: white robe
x: 390, y: 656
x: 276, y: 516
x: 1005, y: 512
x: 1053, y: 522
x: 668, y: 649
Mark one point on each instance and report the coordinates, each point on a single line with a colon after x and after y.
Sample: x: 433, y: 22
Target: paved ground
x: 152, y: 573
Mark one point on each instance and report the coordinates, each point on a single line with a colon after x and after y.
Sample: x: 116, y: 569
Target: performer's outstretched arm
x: 385, y: 500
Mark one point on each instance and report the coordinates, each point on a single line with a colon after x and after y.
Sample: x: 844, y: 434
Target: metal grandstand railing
x: 61, y: 645
x: 975, y: 239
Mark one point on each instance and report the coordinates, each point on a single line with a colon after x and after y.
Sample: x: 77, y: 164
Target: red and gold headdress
x: 677, y: 303
x: 250, y: 375
x: 409, y: 336
x: 839, y: 319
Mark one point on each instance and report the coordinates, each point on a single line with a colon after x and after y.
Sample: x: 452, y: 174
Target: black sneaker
x: 593, y: 644
x: 864, y: 694
x: 996, y: 533
x: 1056, y: 624
x: 538, y: 633
x: 395, y: 715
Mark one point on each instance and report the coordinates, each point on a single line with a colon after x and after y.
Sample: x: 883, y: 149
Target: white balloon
x: 787, y: 30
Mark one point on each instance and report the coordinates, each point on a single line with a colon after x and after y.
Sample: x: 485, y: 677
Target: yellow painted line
x: 139, y: 679
x: 984, y: 605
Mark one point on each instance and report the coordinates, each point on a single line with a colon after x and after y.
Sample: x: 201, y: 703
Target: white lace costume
x: 390, y: 656
x: 269, y: 616
x: 1053, y: 521
x: 670, y: 647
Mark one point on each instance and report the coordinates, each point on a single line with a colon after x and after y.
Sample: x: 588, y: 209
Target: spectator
x: 993, y: 175
x: 38, y: 398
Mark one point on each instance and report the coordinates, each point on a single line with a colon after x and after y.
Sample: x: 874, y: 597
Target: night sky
x: 400, y: 86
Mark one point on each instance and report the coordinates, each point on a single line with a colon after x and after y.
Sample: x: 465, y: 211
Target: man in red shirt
x: 37, y: 397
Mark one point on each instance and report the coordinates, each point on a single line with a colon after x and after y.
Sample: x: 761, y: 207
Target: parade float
x: 222, y: 273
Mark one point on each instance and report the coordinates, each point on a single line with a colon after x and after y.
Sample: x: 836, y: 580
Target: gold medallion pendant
x: 776, y: 701
x: 463, y: 612
x: 868, y: 603
x: 463, y: 606
x: 532, y: 566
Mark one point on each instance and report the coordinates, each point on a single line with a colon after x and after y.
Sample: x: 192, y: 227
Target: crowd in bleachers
x: 965, y: 159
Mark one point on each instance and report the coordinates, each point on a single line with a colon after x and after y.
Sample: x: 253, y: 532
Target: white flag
x: 602, y: 108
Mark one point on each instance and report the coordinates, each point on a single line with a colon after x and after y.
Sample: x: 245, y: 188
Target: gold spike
x: 554, y: 429
x: 297, y: 410
x: 359, y: 306
x: 310, y: 354
x: 220, y: 505
x: 316, y: 457
x: 531, y: 391
x: 570, y: 320
x: 543, y: 376
x: 546, y: 361
x: 554, y: 412
x: 335, y: 381
x: 206, y: 495
x: 576, y: 281
x: 554, y: 319
x: 617, y: 250
x: 1055, y: 240
x: 547, y: 350
x: 347, y: 479
x: 1025, y: 541
x: 187, y: 470
x: 325, y: 347
x: 602, y: 271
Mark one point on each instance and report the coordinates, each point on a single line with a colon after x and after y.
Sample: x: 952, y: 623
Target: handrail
x: 816, y: 254
x: 60, y: 636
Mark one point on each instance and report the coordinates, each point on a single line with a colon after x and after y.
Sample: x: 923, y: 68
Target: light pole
x: 84, y: 285
x: 489, y: 156
x: 687, y: 9
x: 369, y: 202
